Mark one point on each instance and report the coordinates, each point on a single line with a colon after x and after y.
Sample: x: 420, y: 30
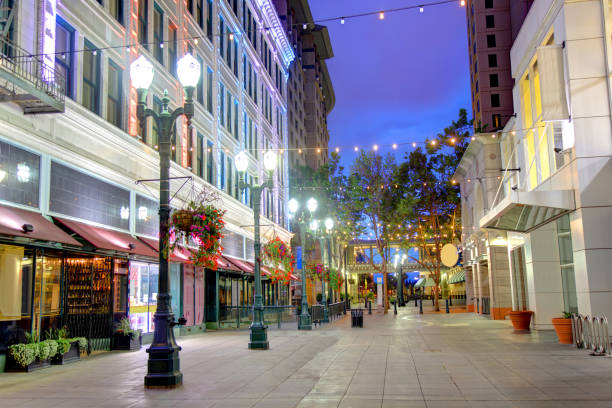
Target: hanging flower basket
x: 336, y: 280
x: 315, y: 271
x: 202, y: 223
x: 278, y: 254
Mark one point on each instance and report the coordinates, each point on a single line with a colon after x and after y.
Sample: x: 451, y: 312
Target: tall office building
x: 492, y: 27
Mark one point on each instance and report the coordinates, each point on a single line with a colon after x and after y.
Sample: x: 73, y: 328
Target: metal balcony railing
x: 28, y: 81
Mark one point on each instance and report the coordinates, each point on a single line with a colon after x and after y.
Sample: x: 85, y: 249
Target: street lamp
x: 314, y: 226
x: 305, y: 322
x: 259, y: 331
x: 163, y: 368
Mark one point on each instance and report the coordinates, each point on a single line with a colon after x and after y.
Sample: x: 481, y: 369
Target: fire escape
x: 24, y: 78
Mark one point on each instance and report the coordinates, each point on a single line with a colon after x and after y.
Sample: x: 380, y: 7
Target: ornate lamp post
x: 314, y: 226
x: 163, y: 369
x: 305, y: 322
x: 329, y: 225
x: 259, y: 331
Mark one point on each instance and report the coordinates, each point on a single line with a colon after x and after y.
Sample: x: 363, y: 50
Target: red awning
x: 13, y: 219
x: 179, y: 255
x: 245, y: 266
x: 226, y: 264
x: 265, y: 270
x: 294, y: 277
x: 107, y: 239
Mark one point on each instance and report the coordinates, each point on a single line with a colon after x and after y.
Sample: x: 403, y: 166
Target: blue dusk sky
x: 397, y: 80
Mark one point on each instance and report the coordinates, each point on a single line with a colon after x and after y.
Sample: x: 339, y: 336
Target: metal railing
x: 591, y: 332
x: 26, y: 68
x: 336, y: 310
x: 237, y: 317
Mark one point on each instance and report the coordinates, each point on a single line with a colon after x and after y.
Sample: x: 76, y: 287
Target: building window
x: 221, y: 174
x: 115, y: 7
x: 209, y: 91
x: 200, y: 156
x: 492, y: 60
x: 172, y: 46
x: 491, y: 43
x: 493, y: 80
x: 91, y: 78
x: 210, y: 162
x: 221, y: 37
x: 114, y: 94
x: 496, y: 119
x: 190, y: 6
x: 209, y: 20
x: 143, y: 22
x: 488, y: 4
x: 490, y: 21
x: 200, y: 86
x: 230, y: 176
x: 158, y: 34
x: 495, y: 100
x: 221, y: 104
x: 199, y: 13
x: 64, y: 58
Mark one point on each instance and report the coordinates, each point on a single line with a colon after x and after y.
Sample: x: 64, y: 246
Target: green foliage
x: 82, y: 343
x: 32, y: 338
x: 370, y: 295
x: 392, y: 299
x: 567, y: 315
x: 125, y: 327
x: 319, y: 297
x: 55, y: 334
x: 342, y: 296
x: 63, y: 346
x: 44, y: 350
x: 24, y: 354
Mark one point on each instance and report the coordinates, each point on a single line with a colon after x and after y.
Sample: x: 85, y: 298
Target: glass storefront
x: 193, y: 295
x: 144, y: 278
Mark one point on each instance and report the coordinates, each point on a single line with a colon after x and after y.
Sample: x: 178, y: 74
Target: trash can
x: 356, y: 317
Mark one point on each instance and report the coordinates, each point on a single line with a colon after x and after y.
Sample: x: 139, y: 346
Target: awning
x: 110, y: 240
x: 13, y: 219
x: 525, y: 211
x: 457, y: 277
x: 425, y: 283
x: 179, y: 255
x: 227, y: 265
x: 419, y: 283
x: 245, y: 266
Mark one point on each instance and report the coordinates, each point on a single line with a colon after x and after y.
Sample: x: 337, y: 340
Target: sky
x: 397, y: 80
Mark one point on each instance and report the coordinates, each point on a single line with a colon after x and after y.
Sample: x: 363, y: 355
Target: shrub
x: 24, y: 354
x: 44, y: 350
x: 125, y: 327
x: 319, y: 297
x: 63, y: 346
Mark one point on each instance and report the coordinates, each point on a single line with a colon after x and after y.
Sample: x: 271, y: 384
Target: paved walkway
x: 458, y: 360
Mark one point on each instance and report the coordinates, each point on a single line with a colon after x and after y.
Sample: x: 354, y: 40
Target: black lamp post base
x: 305, y: 323
x: 259, y: 338
x: 163, y: 368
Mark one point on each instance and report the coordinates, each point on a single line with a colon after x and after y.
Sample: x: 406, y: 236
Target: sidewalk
x: 408, y: 360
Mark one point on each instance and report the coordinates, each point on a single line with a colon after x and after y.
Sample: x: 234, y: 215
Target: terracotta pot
x: 563, y: 327
x: 520, y: 319
x: 183, y: 220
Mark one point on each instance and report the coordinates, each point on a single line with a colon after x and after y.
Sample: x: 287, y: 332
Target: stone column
x: 543, y: 276
x: 499, y: 282
x: 470, y: 292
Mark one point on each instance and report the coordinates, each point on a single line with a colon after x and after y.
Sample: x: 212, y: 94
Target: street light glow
x: 314, y: 225
x: 312, y: 204
x: 188, y: 70
x: 293, y: 205
x: 329, y: 223
x: 270, y: 160
x: 242, y: 161
x: 141, y: 73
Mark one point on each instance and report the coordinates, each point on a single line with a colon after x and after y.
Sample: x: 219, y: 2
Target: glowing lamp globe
x: 242, y: 161
x: 141, y: 73
x: 311, y: 204
x: 188, y: 70
x: 314, y: 225
x: 270, y: 160
x: 293, y: 206
x: 329, y: 223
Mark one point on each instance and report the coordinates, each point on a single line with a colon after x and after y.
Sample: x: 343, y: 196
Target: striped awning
x: 425, y: 283
x: 457, y: 277
x: 419, y: 283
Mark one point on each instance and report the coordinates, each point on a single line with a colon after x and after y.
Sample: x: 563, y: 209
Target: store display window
x: 16, y: 274
x: 144, y: 278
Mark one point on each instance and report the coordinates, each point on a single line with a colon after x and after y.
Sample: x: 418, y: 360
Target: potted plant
x: 319, y: 297
x: 278, y: 255
x: 30, y: 356
x: 201, y: 223
x: 126, y: 338
x: 521, y: 320
x: 563, y: 327
x: 68, y: 349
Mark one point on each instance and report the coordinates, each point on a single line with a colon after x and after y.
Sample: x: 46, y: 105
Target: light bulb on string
x: 356, y: 149
x: 421, y: 9
x: 394, y: 146
x: 375, y: 147
x: 381, y: 15
x: 413, y: 144
x: 462, y: 3
x: 342, y: 20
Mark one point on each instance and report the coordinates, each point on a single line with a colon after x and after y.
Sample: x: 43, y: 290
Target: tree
x: 432, y: 203
x: 371, y: 197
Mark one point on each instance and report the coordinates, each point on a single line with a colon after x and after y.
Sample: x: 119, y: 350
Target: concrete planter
x: 13, y: 367
x: 123, y: 342
x: 521, y: 319
x: 74, y: 354
x: 563, y: 327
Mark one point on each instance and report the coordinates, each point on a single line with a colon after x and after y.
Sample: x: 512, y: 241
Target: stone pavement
x: 458, y: 360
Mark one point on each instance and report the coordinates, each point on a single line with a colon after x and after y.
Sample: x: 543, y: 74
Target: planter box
x: 13, y: 367
x: 563, y: 327
x: 123, y: 342
x: 74, y: 354
x: 521, y: 319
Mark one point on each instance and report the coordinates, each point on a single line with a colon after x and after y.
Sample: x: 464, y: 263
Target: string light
x: 394, y: 146
x: 231, y: 36
x: 342, y: 20
x: 337, y: 150
x: 462, y: 3
x: 413, y: 144
x: 381, y: 15
x: 356, y: 149
x: 421, y: 9
x: 375, y: 147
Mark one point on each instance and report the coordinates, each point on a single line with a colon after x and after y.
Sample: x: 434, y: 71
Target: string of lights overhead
x: 231, y: 34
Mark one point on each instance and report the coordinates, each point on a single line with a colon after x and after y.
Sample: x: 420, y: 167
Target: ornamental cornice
x: 274, y: 26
